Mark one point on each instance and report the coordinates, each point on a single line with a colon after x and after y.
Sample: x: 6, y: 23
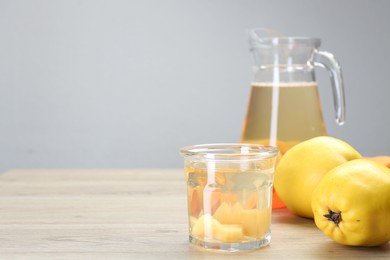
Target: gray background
x: 124, y: 84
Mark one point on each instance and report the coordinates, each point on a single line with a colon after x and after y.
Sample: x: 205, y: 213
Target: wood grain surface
x: 131, y: 214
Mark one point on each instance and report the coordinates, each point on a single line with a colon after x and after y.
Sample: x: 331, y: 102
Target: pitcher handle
x: 326, y: 60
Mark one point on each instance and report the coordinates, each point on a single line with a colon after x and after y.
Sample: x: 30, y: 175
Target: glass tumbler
x: 229, y: 193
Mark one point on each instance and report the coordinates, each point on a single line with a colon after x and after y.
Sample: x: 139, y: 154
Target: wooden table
x: 130, y: 214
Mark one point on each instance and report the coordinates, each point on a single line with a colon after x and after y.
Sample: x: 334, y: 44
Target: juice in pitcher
x: 279, y: 116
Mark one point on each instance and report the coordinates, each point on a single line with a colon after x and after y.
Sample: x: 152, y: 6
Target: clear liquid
x: 283, y: 115
x: 228, y: 208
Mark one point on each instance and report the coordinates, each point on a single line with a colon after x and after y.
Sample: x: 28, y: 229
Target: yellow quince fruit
x: 351, y: 204
x: 303, y: 166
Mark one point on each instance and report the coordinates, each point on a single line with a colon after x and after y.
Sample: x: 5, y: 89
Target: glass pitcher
x: 284, y: 106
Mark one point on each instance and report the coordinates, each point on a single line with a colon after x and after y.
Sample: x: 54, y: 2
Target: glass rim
x: 275, y: 41
x: 230, y: 151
